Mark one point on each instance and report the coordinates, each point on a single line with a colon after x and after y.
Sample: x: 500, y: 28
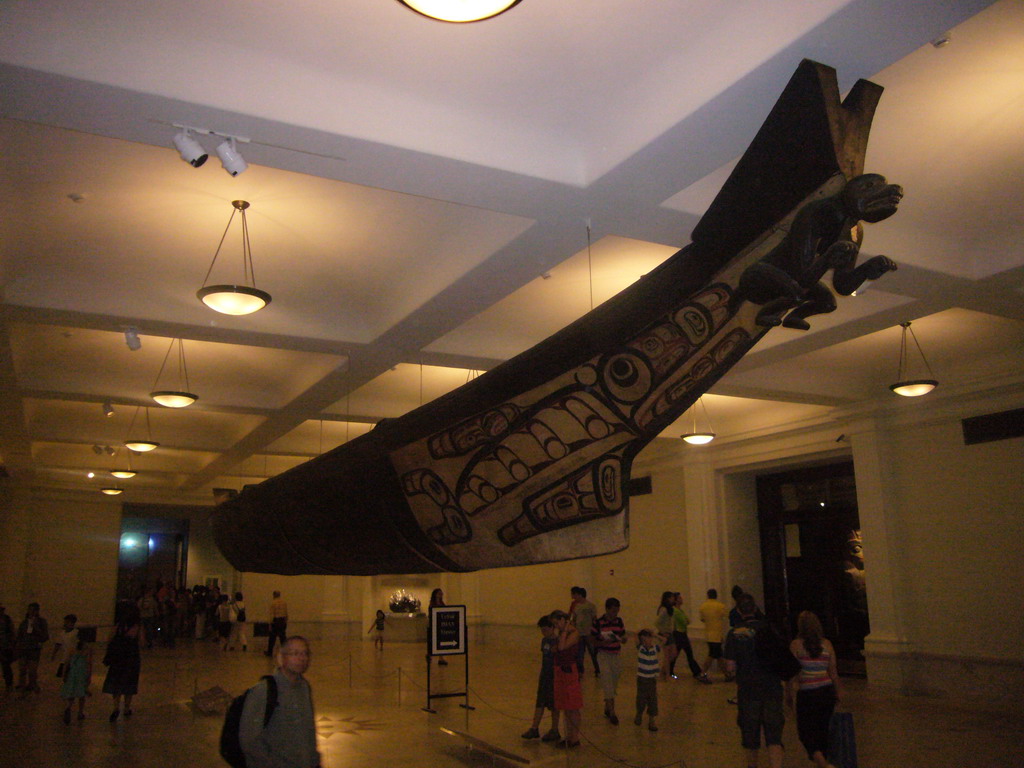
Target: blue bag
x: 842, y: 745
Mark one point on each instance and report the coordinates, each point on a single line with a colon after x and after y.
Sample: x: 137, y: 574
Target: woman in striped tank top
x: 816, y: 688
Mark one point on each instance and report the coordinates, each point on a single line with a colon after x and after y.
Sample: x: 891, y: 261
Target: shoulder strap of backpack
x: 271, y: 699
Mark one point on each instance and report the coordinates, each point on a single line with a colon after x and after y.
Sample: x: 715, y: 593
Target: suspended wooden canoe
x: 530, y: 462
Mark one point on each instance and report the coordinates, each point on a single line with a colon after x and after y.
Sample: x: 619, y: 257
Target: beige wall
x: 960, y: 522
x: 69, y: 560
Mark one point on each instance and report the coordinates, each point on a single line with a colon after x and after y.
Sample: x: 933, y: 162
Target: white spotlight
x: 233, y: 162
x: 191, y: 151
x: 131, y: 338
x: 108, y: 409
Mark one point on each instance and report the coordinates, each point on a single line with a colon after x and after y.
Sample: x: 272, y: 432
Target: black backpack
x: 773, y: 653
x: 230, y: 746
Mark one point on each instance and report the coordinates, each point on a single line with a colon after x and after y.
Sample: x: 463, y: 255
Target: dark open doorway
x: 152, y: 550
x: 812, y: 555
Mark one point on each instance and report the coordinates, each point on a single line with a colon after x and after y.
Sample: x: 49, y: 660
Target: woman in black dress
x: 123, y: 659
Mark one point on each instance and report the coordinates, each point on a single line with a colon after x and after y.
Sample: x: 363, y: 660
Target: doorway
x: 152, y: 550
x: 812, y: 555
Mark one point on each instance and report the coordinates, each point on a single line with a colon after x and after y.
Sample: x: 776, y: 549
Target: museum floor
x: 369, y: 715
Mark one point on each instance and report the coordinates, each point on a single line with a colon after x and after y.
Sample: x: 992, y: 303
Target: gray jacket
x: 289, y: 740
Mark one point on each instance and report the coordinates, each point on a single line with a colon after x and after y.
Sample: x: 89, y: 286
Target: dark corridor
x: 812, y: 555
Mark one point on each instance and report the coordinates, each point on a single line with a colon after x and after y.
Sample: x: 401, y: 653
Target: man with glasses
x: 289, y: 737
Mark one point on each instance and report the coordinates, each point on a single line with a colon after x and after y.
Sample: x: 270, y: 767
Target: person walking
x: 680, y: 625
x: 608, y: 634
x: 377, y: 627
x: 278, y: 622
x: 582, y: 613
x: 33, y: 632
x: 436, y: 601
x: 7, y: 636
x: 760, y: 689
x: 816, y: 688
x: 289, y: 737
x: 664, y: 624
x: 239, y: 635
x: 225, y: 615
x: 568, y: 693
x: 545, y: 684
x: 713, y: 613
x: 124, y: 659
x: 77, y: 674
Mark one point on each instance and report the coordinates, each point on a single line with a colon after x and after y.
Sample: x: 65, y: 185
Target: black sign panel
x: 448, y: 630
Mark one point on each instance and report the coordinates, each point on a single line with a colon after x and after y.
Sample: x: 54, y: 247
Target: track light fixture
x: 131, y: 338
x: 233, y: 162
x: 191, y: 151
x: 112, y: 491
x: 235, y: 299
x: 108, y: 409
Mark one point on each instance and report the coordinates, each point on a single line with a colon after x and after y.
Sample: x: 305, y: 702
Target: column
x: 887, y: 645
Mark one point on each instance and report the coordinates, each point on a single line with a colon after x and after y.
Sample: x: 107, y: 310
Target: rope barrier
x: 370, y: 674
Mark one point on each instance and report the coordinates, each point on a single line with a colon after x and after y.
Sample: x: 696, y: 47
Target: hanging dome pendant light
x: 459, y: 11
x: 912, y: 387
x: 695, y: 437
x: 141, y: 446
x: 175, y: 398
x: 235, y: 299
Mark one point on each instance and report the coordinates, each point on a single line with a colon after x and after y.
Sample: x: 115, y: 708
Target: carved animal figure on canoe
x: 826, y: 234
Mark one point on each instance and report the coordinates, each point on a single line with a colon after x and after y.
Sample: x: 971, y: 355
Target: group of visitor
x: 748, y: 653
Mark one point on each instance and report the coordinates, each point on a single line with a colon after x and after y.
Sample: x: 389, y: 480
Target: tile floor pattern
x: 369, y: 715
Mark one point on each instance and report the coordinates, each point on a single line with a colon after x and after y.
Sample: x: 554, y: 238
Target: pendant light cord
x: 182, y: 365
x: 221, y: 243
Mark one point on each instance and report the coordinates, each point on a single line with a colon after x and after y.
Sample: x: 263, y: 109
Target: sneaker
x: 732, y: 701
x: 702, y: 677
x: 114, y: 714
x: 638, y: 720
x: 613, y: 719
x: 653, y: 728
x: 531, y: 733
x: 551, y: 736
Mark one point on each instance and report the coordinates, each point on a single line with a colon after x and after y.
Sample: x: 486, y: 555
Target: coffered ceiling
x: 421, y: 195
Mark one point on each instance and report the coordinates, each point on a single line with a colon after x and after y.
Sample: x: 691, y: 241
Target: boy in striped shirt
x: 647, y: 667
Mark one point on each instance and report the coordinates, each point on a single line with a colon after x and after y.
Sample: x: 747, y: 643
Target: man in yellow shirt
x: 713, y: 613
x: 278, y: 622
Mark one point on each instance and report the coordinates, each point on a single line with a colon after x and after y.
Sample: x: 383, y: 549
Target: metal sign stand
x: 446, y: 636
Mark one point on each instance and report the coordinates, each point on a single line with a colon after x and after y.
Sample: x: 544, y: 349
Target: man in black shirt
x: 760, y: 689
